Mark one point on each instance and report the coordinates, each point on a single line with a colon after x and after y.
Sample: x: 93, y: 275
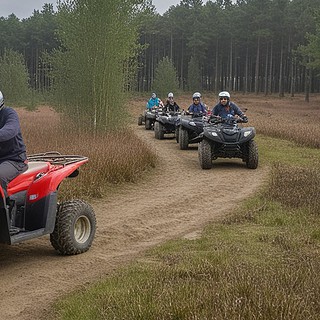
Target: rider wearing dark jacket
x: 171, y: 105
x: 197, y: 106
x: 225, y: 107
x: 12, y: 148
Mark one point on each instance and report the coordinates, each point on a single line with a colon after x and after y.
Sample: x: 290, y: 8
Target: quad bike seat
x: 23, y: 180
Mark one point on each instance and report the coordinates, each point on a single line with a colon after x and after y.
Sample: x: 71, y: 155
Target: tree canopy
x: 261, y: 46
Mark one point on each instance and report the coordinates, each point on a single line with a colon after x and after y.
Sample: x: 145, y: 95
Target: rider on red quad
x: 12, y: 148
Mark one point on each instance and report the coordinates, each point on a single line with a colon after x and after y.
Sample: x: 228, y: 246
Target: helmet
x: 170, y: 95
x: 1, y: 99
x: 153, y: 95
x: 196, y: 95
x: 224, y: 94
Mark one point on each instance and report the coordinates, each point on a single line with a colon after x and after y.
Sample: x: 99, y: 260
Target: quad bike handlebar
x: 193, y: 114
x: 231, y: 120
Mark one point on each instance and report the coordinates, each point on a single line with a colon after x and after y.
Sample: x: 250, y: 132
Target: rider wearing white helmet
x: 171, y: 105
x: 197, y: 107
x: 226, y: 107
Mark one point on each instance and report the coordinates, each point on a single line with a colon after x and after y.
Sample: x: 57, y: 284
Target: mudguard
x: 227, y: 135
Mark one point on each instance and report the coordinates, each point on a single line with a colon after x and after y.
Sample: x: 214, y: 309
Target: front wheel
x: 75, y: 228
x: 204, y: 152
x: 177, y: 134
x: 148, y: 124
x: 140, y: 120
x: 158, y: 130
x: 183, y: 139
x: 253, y: 155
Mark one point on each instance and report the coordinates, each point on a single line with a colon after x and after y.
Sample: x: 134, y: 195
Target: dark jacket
x: 171, y: 107
x: 197, y: 108
x: 222, y: 111
x: 12, y: 146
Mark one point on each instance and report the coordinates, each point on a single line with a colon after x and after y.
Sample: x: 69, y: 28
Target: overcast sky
x: 24, y: 8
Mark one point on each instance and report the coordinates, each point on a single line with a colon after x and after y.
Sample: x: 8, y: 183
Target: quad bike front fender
x: 242, y: 136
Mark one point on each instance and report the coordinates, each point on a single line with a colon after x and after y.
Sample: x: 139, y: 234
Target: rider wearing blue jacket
x: 154, y: 102
x: 197, y: 106
x: 225, y: 107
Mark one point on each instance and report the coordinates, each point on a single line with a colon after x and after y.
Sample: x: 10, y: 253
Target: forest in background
x: 248, y: 46
x: 91, y: 51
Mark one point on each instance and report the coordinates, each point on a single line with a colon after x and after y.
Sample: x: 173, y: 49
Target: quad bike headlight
x: 214, y: 134
x: 192, y: 123
x: 247, y: 133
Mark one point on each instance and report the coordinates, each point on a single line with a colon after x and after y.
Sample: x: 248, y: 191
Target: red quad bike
x: 32, y: 210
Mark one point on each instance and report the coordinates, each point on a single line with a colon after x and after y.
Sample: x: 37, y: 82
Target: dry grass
x: 295, y: 187
x: 287, y: 118
x: 113, y: 158
x: 120, y: 157
x: 260, y: 263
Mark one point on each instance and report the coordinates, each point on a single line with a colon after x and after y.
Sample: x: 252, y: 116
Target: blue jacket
x: 12, y: 146
x: 221, y: 110
x: 153, y: 102
x: 197, y: 108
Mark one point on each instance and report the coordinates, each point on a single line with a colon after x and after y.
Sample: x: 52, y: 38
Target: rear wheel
x: 204, y: 152
x: 253, y: 155
x: 183, y: 139
x: 75, y: 228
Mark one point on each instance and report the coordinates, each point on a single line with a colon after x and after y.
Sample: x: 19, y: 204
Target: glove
x: 244, y: 119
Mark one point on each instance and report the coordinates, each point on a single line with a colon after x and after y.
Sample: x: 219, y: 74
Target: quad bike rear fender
x: 49, y: 182
x: 35, y: 191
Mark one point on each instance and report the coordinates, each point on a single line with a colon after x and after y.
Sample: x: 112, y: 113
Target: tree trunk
x: 293, y: 77
x: 256, y: 78
x: 182, y: 65
x: 246, y: 72
x: 281, y: 93
x: 266, y: 73
x: 270, y: 68
x: 307, y: 84
x: 216, y: 75
x: 230, y: 67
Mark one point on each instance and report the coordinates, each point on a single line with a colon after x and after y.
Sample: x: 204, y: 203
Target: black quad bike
x: 165, y: 124
x: 149, y: 117
x: 31, y: 208
x: 224, y: 138
x: 189, y: 128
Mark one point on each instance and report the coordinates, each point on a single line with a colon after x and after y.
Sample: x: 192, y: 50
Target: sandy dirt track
x: 138, y: 217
